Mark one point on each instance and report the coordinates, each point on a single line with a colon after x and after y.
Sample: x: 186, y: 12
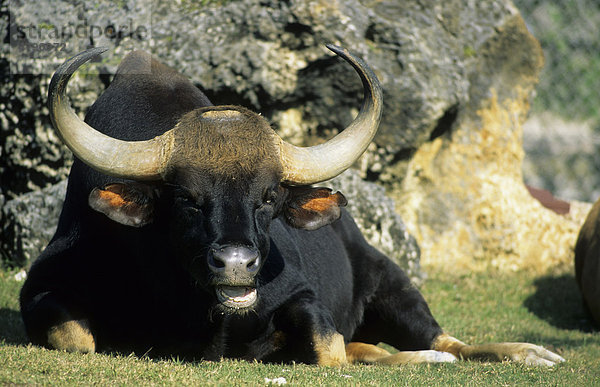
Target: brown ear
x: 313, y: 208
x: 126, y: 203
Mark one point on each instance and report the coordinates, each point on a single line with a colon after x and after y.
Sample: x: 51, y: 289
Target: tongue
x: 236, y: 292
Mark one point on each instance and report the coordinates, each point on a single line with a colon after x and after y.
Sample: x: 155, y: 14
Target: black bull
x: 222, y: 250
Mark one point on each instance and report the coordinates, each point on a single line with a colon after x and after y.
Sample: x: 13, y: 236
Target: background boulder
x: 457, y: 78
x: 463, y: 196
x: 29, y: 222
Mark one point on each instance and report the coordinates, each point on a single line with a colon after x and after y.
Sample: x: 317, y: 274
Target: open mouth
x: 236, y: 297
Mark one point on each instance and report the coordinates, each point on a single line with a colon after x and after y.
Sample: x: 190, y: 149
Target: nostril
x: 214, y: 262
x: 218, y: 263
x: 252, y: 266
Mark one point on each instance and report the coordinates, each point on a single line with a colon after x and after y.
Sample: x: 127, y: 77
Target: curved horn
x: 309, y: 165
x: 140, y: 160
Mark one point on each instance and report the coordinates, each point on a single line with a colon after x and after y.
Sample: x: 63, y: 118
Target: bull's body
x: 102, y: 284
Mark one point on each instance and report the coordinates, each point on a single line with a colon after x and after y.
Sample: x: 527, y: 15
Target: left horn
x: 309, y: 165
x: 140, y: 160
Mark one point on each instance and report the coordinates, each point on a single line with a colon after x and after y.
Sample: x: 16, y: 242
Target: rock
x: 29, y: 222
x: 463, y: 197
x: 3, y: 256
x: 270, y: 56
x: 375, y: 215
x: 457, y: 79
x: 31, y: 154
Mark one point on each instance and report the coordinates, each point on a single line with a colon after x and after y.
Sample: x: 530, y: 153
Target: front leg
x: 50, y: 320
x: 309, y: 334
x: 525, y: 353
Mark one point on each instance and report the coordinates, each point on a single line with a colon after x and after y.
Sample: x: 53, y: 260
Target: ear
x: 313, y: 208
x: 131, y: 204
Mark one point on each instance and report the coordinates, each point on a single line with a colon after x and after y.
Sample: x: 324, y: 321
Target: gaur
x: 194, y: 230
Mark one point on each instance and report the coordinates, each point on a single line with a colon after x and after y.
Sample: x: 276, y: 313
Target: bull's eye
x: 270, y: 198
x: 192, y: 209
x: 189, y: 204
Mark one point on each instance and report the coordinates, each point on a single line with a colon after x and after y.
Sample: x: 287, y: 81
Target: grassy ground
x: 475, y: 308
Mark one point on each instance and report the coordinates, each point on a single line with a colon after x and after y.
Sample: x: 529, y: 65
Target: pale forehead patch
x: 222, y: 114
x: 226, y: 142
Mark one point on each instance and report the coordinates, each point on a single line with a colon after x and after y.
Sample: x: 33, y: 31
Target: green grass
x: 475, y: 308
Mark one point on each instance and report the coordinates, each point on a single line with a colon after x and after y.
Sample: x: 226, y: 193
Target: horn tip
x: 91, y: 52
x: 335, y: 48
x: 98, y: 50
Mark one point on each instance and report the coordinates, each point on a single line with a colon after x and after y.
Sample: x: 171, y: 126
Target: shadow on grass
x: 557, y: 301
x: 11, y: 327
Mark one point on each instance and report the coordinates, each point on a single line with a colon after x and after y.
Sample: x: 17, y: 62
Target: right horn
x: 309, y: 165
x: 140, y: 160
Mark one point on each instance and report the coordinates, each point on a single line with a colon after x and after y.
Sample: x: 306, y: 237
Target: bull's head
x: 223, y: 176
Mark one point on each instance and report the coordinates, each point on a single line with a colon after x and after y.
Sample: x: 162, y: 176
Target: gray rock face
x: 268, y: 56
x: 31, y: 154
x: 439, y: 63
x: 29, y: 222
